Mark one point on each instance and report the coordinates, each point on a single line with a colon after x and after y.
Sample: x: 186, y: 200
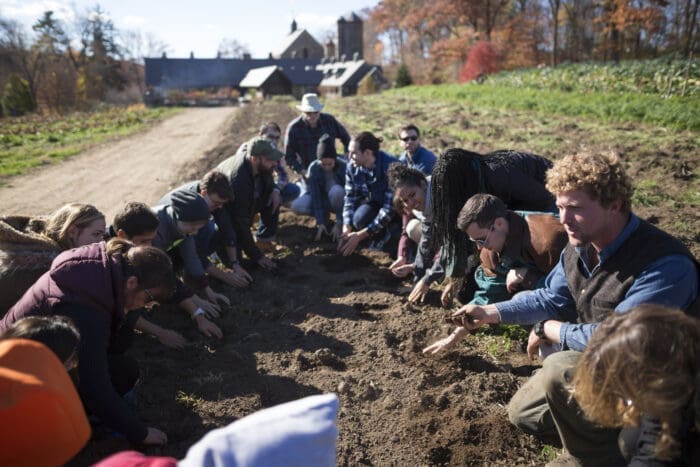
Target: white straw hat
x: 310, y: 103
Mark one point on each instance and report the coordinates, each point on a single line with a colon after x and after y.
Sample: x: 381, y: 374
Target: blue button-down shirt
x: 422, y: 160
x: 370, y: 186
x: 671, y: 280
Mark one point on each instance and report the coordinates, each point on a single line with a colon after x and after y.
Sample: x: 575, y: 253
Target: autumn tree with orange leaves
x: 434, y: 38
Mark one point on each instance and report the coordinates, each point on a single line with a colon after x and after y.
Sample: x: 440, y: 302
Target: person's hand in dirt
x: 447, y: 342
x: 419, y: 292
x: 229, y: 276
x: 448, y: 294
x: 400, y: 268
x: 214, y: 297
x: 472, y: 317
x: 274, y: 199
x: 242, y: 273
x: 208, y: 328
x: 166, y: 337
x: 350, y: 241
x: 155, y: 437
x: 320, y: 232
x: 172, y: 339
x: 515, y: 278
x: 213, y: 310
x: 267, y: 264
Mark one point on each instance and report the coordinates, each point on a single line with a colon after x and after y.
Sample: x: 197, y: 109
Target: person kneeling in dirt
x: 29, y: 244
x: 217, y: 236
x: 96, y: 286
x: 411, y: 196
x: 518, y: 250
x: 517, y: 178
x: 305, y: 131
x: 640, y: 373
x: 287, y: 191
x: 138, y: 223
x: 368, y: 208
x: 249, y: 173
x: 614, y: 262
x: 326, y: 193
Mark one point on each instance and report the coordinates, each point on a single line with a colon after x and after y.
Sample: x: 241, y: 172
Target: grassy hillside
x: 663, y: 161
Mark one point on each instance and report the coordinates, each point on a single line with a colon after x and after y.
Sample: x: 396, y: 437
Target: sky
x: 199, y: 26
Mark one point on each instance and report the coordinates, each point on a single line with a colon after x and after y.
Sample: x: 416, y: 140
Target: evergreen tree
x: 403, y: 77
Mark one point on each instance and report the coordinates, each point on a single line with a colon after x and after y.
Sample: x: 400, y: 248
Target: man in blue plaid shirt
x: 304, y: 132
x: 368, y: 207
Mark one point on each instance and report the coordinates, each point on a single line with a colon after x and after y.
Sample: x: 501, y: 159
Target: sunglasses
x: 273, y: 136
x: 482, y: 242
x: 409, y: 138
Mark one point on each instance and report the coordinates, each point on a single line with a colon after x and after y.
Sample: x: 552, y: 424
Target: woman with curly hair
x: 641, y: 372
x: 517, y: 178
x: 29, y: 244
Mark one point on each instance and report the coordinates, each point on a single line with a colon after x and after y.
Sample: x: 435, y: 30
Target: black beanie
x: 326, y: 148
x: 189, y: 206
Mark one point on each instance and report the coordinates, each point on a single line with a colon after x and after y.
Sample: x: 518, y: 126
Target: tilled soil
x: 324, y: 323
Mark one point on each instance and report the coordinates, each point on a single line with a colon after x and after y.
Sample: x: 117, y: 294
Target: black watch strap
x: 539, y: 329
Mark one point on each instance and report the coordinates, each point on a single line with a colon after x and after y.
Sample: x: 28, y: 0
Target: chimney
x: 246, y: 56
x: 356, y: 56
x: 294, y: 26
x: 191, y: 55
x: 164, y: 55
x: 343, y: 58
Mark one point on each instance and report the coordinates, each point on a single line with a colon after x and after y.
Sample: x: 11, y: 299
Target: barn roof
x: 198, y: 73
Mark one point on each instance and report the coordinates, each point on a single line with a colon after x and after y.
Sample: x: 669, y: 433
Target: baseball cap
x: 260, y: 146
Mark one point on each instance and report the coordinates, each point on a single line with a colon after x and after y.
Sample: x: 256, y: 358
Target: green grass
x: 30, y: 141
x: 662, y: 76
x: 678, y: 113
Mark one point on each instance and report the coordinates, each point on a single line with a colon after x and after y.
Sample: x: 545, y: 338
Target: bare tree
x: 232, y: 48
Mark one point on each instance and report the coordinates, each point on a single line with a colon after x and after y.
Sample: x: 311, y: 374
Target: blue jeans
x: 289, y: 193
x: 364, y: 215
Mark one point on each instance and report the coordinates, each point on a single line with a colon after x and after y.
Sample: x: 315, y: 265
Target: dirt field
x: 323, y: 323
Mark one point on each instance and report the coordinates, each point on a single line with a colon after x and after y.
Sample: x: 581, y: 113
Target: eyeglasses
x: 151, y: 299
x: 482, y: 242
x: 409, y: 138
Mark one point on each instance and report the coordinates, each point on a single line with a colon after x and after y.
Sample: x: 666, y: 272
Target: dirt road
x: 141, y: 167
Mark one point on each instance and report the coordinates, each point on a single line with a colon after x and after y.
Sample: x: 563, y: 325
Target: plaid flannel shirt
x: 370, y: 186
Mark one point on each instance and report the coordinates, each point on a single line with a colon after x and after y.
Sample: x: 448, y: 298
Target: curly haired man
x: 614, y: 262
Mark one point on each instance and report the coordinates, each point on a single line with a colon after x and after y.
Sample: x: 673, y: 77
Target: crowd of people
x: 610, y: 300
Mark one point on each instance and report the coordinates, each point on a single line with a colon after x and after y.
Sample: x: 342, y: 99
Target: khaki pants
x: 543, y: 407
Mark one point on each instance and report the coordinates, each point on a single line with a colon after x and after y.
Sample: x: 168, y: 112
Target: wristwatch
x: 538, y: 328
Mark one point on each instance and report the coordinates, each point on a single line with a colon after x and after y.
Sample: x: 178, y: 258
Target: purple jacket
x: 84, y: 276
x: 87, y: 285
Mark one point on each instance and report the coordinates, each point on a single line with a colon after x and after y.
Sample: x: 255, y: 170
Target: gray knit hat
x: 189, y: 206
